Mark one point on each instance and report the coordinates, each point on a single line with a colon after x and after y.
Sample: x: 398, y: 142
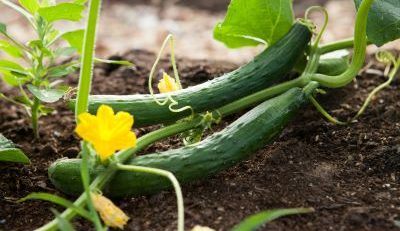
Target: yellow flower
x: 107, y: 132
x: 167, y: 84
x: 109, y: 213
x: 202, y: 228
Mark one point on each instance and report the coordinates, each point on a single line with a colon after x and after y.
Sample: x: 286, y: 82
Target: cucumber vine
x: 194, y: 125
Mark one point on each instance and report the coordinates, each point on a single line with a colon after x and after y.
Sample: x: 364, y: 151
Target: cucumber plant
x: 277, y: 105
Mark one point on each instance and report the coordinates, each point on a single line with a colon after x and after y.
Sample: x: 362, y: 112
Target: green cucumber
x: 217, y: 152
x: 266, y: 69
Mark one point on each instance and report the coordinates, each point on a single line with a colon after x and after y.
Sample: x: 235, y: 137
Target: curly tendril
x: 168, y: 100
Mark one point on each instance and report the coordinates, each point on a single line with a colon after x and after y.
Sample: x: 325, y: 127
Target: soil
x: 349, y: 174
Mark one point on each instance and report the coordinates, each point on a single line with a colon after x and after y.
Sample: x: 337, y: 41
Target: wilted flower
x: 111, y: 215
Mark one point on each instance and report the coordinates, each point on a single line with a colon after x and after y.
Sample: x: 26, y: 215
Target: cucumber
x: 266, y: 69
x: 217, y: 152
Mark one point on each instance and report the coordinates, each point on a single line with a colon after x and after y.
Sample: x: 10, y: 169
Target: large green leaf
x: 62, y: 11
x: 31, y: 5
x: 254, y: 22
x: 9, y: 153
x: 255, y: 221
x: 75, y: 38
x: 383, y: 21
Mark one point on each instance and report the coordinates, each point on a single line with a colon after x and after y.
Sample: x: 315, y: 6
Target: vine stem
x: 85, y: 80
x: 360, y: 44
x: 338, y: 45
x: 35, y: 117
x: 174, y: 181
x: 86, y: 185
x: 321, y: 110
x: 391, y: 77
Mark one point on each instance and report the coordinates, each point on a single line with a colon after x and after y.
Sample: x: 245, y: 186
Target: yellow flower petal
x: 87, y: 128
x: 107, y: 132
x: 104, y: 150
x: 126, y: 141
x: 167, y: 84
x: 123, y: 122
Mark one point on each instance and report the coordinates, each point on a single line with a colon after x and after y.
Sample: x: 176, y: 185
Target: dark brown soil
x: 349, y: 174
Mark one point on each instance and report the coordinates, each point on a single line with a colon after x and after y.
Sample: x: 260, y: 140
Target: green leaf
x: 65, y: 51
x: 255, y: 221
x: 38, y: 44
x: 254, y: 22
x: 75, y: 38
x: 60, y: 71
x: 3, y: 28
x: 31, y: 5
x: 23, y: 100
x: 383, y: 21
x: 48, y: 3
x: 6, y: 65
x: 46, y: 95
x: 62, y: 11
x: 10, y: 79
x: 9, y: 153
x: 10, y: 49
x: 57, y: 200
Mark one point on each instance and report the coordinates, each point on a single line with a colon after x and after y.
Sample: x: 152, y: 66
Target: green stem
x: 338, y: 45
x: 35, y: 117
x: 260, y: 96
x: 324, y: 112
x: 392, y: 76
x: 155, y: 136
x: 86, y: 74
x: 360, y: 44
x: 86, y: 186
x: 326, y: 17
x: 174, y: 181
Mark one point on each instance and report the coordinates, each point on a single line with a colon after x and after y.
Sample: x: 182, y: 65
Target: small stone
x: 71, y: 152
